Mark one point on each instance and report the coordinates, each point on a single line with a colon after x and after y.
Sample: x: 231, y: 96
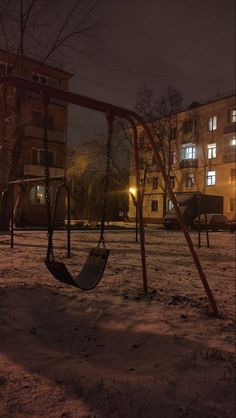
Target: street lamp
x: 133, y: 194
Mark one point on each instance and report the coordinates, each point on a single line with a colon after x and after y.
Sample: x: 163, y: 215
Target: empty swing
x: 94, y: 266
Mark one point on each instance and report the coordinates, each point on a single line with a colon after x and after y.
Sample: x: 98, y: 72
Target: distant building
x: 33, y: 157
x: 199, y: 149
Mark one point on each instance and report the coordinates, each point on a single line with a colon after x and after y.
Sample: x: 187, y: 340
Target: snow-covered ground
x: 115, y: 351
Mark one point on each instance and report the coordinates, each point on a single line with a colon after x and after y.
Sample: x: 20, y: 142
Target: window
x: 211, y: 178
x: 169, y: 205
x: 155, y: 182
x: 154, y: 205
x: 172, y: 181
x: 141, y: 182
x: 231, y: 204
x: 187, y: 126
x: 140, y: 163
x: 44, y: 79
x: 173, y: 132
x: 232, y: 175
x: 37, y: 195
x: 232, y: 141
x: 211, y: 151
x: 38, y: 157
x: 5, y: 69
x: 232, y: 116
x: 141, y: 140
x: 212, y: 123
x: 37, y: 120
x: 173, y: 157
x: 190, y: 181
x: 189, y: 152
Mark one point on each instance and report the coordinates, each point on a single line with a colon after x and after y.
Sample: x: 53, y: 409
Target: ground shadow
x: 64, y: 337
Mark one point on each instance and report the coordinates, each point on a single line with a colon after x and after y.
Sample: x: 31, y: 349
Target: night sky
x: 189, y: 44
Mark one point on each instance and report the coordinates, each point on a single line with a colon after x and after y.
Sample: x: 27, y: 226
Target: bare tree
x: 86, y: 173
x: 40, y: 30
x: 161, y: 115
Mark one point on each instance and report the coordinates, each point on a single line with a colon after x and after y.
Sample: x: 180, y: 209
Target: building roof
x: 35, y: 65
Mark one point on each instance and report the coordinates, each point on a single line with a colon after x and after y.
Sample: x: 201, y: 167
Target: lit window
x: 173, y: 157
x: 154, y: 205
x: 211, y: 178
x: 189, y: 152
x: 190, y: 180
x: 211, y: 151
x: 170, y: 205
x: 232, y: 141
x: 212, y: 123
x: 232, y: 116
x: 37, y: 195
x: 155, y: 182
x: 172, y: 181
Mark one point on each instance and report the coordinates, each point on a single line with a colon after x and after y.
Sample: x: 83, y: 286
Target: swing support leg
x: 139, y: 207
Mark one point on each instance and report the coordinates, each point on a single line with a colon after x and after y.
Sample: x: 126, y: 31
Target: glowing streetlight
x: 133, y: 191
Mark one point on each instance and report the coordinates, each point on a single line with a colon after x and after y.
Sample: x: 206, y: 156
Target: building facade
x: 198, y: 148
x: 32, y: 157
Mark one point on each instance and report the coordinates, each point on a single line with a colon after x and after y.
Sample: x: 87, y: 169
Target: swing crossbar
x: 46, y: 91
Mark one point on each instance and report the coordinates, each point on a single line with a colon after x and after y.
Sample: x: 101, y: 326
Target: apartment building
x: 198, y: 148
x: 31, y: 164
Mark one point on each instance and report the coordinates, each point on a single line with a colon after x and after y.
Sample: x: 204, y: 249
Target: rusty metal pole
x: 131, y: 116
x: 180, y: 218
x: 12, y: 217
x: 139, y: 206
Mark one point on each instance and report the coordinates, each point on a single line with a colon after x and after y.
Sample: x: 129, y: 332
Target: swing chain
x: 47, y: 181
x: 110, y: 121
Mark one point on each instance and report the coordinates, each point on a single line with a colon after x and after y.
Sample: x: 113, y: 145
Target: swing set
x: 95, y: 264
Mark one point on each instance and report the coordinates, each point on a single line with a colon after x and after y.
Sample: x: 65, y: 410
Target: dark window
x: 34, y: 156
x: 232, y: 205
x: 173, y: 132
x: 37, y: 119
x: 187, y: 126
x: 155, y: 182
x: 141, y: 140
x: 154, y: 205
x: 140, y: 163
x: 50, y: 158
x: 232, y: 174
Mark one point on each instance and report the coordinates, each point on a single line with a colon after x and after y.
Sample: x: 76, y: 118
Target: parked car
x: 190, y: 204
x: 215, y: 222
x: 231, y: 225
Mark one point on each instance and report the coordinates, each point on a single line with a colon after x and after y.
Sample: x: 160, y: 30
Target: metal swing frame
x: 133, y: 118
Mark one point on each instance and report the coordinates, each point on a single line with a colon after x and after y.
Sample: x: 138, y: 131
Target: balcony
x: 39, y: 171
x: 193, y: 162
x: 230, y: 128
x: 229, y: 158
x: 35, y: 132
